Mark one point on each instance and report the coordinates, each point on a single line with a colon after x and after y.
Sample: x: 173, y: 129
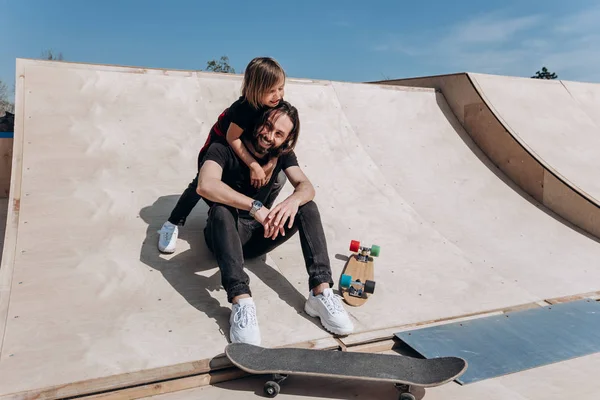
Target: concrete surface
x: 102, y: 154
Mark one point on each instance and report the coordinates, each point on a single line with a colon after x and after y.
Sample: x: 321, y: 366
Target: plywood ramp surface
x: 106, y: 151
x: 541, y: 134
x: 556, y: 121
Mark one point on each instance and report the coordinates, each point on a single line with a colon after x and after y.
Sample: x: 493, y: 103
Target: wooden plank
x: 147, y: 377
x: 121, y: 381
x: 375, y: 347
x: 327, y: 343
x: 566, y: 299
x: 164, y: 387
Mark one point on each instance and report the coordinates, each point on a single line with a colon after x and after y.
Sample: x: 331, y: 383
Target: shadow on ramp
x: 319, y: 388
x: 194, y: 272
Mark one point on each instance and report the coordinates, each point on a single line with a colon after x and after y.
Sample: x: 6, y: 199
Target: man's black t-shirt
x: 236, y: 173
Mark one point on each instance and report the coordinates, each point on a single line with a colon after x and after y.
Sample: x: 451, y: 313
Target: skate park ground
x: 474, y: 215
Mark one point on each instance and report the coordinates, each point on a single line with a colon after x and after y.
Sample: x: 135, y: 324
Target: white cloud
x: 510, y: 45
x: 579, y: 22
x: 491, y: 28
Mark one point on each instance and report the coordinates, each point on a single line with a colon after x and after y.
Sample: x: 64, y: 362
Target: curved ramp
x: 555, y: 121
x: 544, y: 135
x: 101, y: 154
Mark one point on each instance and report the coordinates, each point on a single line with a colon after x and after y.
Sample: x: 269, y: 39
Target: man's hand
x: 278, y: 216
x: 258, y: 178
x: 261, y: 216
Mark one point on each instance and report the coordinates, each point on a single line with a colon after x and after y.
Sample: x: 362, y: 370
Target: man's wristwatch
x: 256, y: 205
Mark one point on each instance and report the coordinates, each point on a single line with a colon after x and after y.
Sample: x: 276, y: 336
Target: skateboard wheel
x: 375, y: 250
x: 407, y: 396
x: 354, y: 245
x: 369, y: 286
x: 272, y: 389
x: 346, y: 281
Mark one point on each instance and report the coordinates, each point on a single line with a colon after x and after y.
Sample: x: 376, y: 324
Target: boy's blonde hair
x: 262, y: 73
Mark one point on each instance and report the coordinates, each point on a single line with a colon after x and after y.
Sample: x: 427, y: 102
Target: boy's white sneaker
x: 167, y: 237
x: 243, y: 322
x: 329, y: 308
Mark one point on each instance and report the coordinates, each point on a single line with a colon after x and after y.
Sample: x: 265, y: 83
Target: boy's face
x: 273, y: 133
x: 274, y: 95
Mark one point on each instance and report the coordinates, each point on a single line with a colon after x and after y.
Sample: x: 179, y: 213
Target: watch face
x: 256, y: 205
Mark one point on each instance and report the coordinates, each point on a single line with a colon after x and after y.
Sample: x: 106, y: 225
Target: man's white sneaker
x: 329, y: 308
x: 167, y: 237
x: 243, y: 321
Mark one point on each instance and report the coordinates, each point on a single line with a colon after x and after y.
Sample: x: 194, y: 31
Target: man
x: 239, y: 225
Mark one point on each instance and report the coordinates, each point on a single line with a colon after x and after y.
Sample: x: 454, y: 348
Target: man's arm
x: 287, y: 209
x: 303, y: 188
x: 212, y: 188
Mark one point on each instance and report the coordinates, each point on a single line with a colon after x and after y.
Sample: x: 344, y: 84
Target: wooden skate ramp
x: 101, y: 155
x: 550, y: 119
x: 543, y: 134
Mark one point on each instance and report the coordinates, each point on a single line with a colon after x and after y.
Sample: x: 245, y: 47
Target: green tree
x: 5, y: 105
x: 52, y: 55
x: 544, y: 74
x: 220, y: 66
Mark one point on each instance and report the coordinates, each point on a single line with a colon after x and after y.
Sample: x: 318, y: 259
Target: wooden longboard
x: 358, y: 270
x: 357, y: 281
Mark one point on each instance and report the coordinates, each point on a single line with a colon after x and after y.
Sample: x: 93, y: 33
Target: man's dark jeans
x: 232, y: 239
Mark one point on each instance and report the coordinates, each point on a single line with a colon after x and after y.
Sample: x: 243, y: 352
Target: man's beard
x: 271, y: 151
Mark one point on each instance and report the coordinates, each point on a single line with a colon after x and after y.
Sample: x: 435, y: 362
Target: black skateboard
x: 402, y: 371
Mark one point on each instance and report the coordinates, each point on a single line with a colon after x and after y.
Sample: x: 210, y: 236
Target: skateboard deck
x: 400, y: 370
x: 357, y: 281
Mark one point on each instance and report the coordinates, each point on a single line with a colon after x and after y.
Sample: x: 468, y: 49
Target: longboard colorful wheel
x: 346, y: 281
x: 375, y: 250
x: 354, y: 245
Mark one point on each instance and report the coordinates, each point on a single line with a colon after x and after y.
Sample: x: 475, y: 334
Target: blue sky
x: 338, y: 40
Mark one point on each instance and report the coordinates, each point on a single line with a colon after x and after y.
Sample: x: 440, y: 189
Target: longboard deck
x: 359, y: 270
x: 340, y: 364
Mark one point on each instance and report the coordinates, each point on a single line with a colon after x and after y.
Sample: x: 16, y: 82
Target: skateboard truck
x: 363, y: 252
x: 272, y: 388
x: 405, y: 393
x: 361, y: 290
x: 357, y: 288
